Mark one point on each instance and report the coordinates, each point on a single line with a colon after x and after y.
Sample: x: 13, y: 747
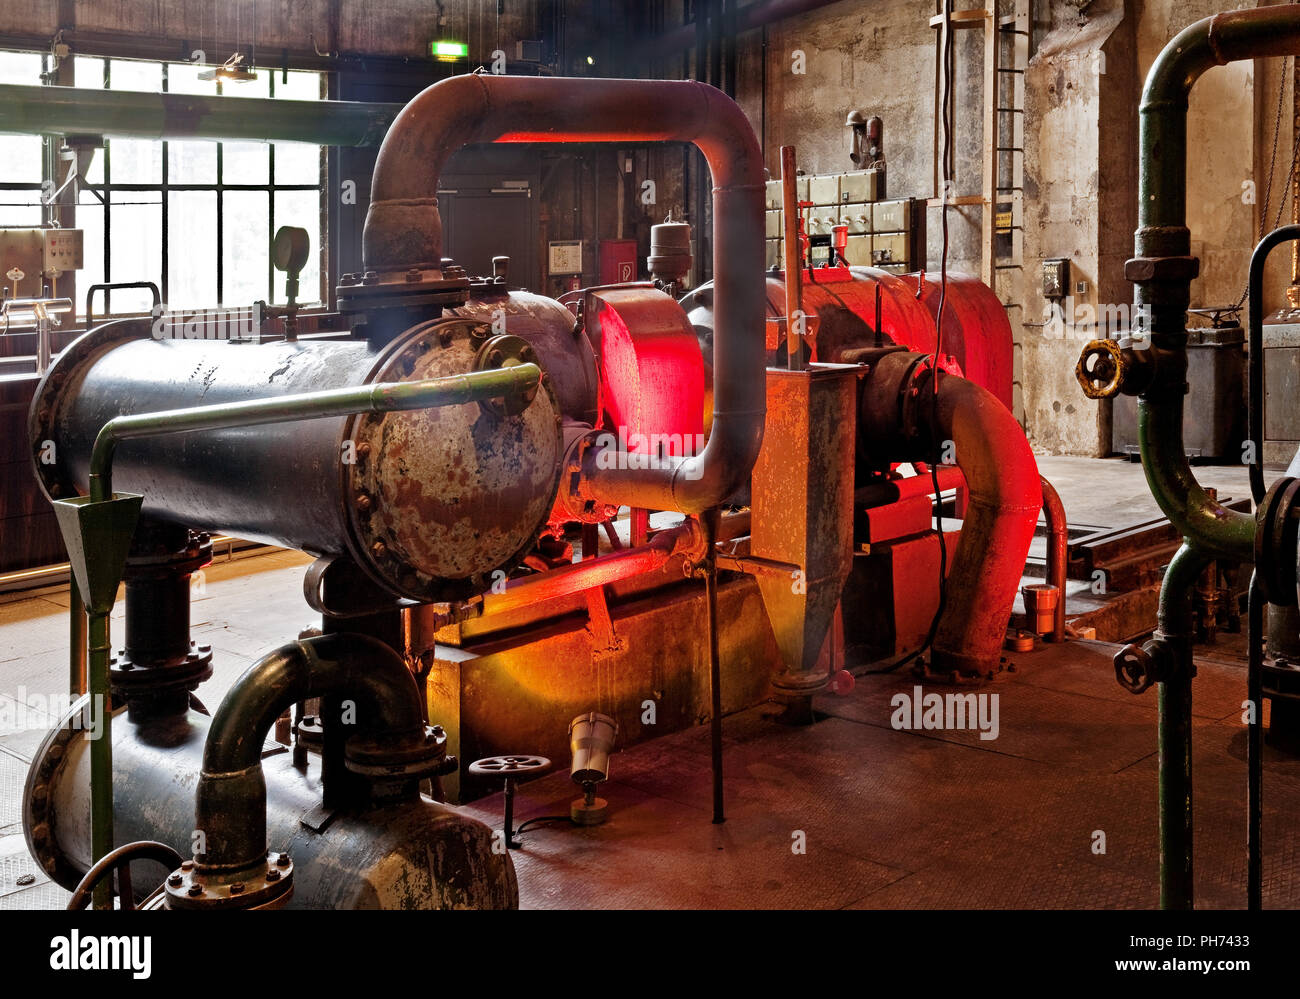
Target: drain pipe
x: 1154, y: 367
x: 403, y: 231
x: 896, y: 423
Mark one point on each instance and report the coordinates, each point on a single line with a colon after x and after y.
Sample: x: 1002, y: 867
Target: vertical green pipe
x: 1175, y: 728
x: 101, y: 753
x: 76, y: 639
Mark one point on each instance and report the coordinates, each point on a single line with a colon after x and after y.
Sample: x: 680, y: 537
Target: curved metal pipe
x: 403, y: 230
x: 1058, y: 539
x: 1164, y: 268
x: 1004, y: 486
x: 230, y: 803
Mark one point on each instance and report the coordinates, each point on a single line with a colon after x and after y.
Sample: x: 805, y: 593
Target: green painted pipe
x: 140, y: 115
x: 381, y: 397
x: 1163, y: 273
x: 1162, y: 234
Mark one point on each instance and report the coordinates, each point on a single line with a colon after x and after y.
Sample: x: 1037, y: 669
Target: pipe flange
x: 129, y: 679
x: 506, y: 351
x: 267, y: 887
x: 1277, y: 521
x: 51, y: 471
x: 37, y: 803
x: 483, y: 484
x: 379, y: 757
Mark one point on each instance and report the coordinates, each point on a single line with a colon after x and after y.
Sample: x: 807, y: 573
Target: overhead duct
x: 139, y: 115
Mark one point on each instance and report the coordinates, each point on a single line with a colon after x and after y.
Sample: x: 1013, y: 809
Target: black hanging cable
x: 946, y: 107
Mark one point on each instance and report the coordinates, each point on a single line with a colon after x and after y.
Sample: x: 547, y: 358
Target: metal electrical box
x: 564, y: 257
x: 29, y: 256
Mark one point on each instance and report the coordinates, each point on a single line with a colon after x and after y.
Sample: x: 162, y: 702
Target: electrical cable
x: 543, y: 818
x: 946, y: 110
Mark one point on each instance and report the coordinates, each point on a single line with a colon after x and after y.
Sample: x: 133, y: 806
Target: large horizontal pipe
x: 404, y: 230
x: 140, y: 115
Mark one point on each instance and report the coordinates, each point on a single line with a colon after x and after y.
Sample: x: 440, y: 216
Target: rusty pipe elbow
x: 403, y: 230
x: 900, y: 421
x: 230, y: 803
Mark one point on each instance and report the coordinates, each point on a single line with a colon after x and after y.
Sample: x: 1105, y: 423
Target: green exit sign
x: 449, y: 51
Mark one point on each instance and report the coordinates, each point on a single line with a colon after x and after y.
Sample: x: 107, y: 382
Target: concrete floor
x: 886, y: 818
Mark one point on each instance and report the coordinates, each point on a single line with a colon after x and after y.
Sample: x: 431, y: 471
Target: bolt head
x: 174, y: 880
x: 272, y: 875
x: 236, y: 887
x: 282, y: 860
x: 196, y: 890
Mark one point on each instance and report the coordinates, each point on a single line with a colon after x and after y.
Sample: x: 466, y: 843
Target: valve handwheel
x: 514, y: 769
x: 120, y: 860
x: 1101, y: 369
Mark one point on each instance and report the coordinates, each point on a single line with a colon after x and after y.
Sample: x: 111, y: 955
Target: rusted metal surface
x: 403, y: 231
x: 440, y: 499
x: 802, y: 511
x: 563, y: 348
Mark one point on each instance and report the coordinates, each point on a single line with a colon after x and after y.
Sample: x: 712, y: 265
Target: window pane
x: 135, y: 161
x: 297, y: 163
x: 20, y: 67
x: 129, y: 74
x: 300, y: 208
x: 246, y: 247
x: 14, y: 212
x: 299, y: 87
x: 191, y: 162
x: 135, y: 248
x: 192, y: 249
x: 245, y: 163
x: 89, y: 72
x: 90, y: 219
x: 183, y: 78
x: 20, y: 160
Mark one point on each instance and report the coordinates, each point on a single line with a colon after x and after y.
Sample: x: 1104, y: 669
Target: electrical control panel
x: 30, y: 256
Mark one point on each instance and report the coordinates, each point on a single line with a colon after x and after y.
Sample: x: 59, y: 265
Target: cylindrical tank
x: 416, y: 854
x: 428, y: 503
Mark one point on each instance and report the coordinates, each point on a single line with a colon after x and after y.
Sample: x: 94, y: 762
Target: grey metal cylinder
x: 427, y: 503
x: 414, y: 855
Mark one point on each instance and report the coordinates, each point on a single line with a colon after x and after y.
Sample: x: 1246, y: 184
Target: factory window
x: 196, y: 217
x: 21, y: 167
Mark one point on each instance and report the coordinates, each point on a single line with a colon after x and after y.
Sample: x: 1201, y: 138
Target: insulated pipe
x: 1057, y: 554
x: 900, y: 424
x: 140, y: 115
x: 403, y: 230
x: 230, y: 802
